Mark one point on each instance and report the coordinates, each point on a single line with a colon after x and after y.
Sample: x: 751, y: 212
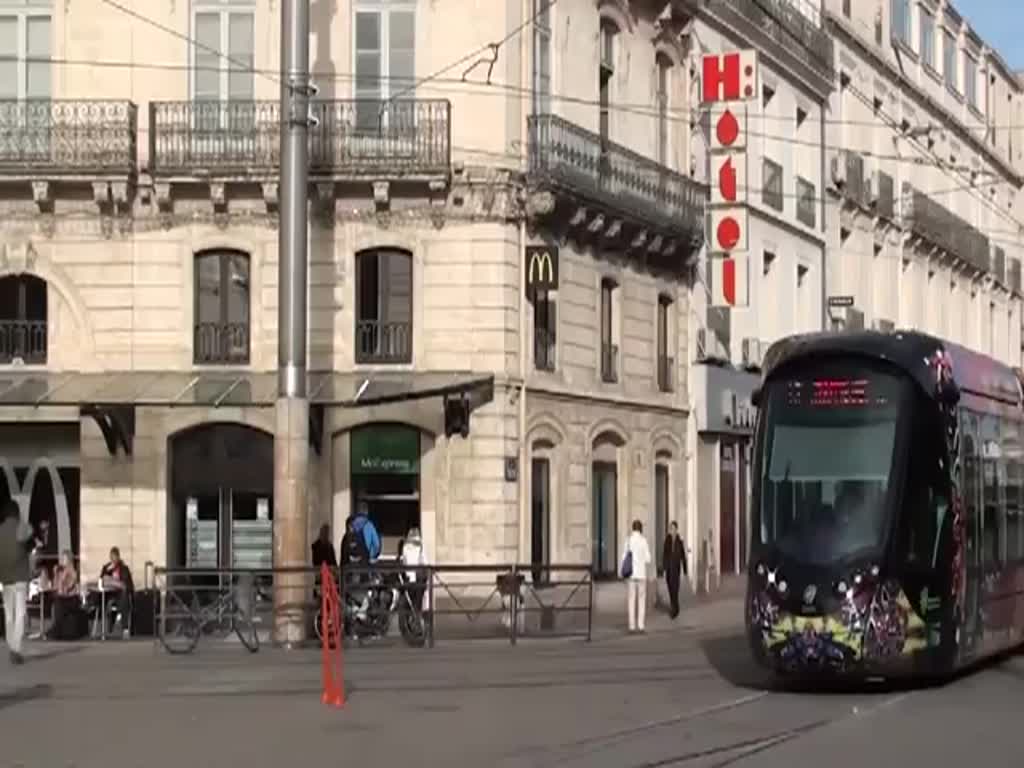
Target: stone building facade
x: 138, y: 275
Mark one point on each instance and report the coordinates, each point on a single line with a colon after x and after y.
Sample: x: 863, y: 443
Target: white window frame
x: 22, y: 11
x: 225, y: 9
x: 971, y: 82
x: 926, y: 20
x: 663, y: 66
x: 543, y: 35
x: 904, y: 33
x: 948, y: 37
x: 383, y: 8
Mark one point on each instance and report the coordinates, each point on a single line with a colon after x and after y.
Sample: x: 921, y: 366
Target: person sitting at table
x: 116, y: 577
x: 67, y: 603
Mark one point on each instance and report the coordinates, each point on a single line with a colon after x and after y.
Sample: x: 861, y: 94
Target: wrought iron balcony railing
x: 68, y: 137
x: 940, y: 226
x: 355, y: 137
x: 666, y: 373
x: 221, y: 343
x: 379, y: 342
x: 24, y: 341
x: 783, y: 31
x: 609, y: 363
x: 544, y: 349
x: 606, y: 174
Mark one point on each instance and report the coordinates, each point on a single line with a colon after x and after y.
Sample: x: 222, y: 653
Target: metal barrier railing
x: 453, y: 601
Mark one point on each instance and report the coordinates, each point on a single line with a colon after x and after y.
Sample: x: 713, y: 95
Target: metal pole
x: 291, y: 433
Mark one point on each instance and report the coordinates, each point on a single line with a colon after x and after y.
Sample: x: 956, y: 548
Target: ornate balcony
x: 943, y: 229
x: 354, y: 139
x: 383, y: 343
x: 778, y: 29
x: 48, y: 140
x: 221, y: 344
x: 24, y: 341
x: 610, y: 192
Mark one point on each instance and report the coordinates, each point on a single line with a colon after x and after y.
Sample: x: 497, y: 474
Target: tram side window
x: 1011, y: 448
x: 992, y: 497
x: 969, y: 452
x: 925, y: 504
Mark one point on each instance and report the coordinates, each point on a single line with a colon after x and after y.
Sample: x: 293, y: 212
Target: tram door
x: 971, y: 457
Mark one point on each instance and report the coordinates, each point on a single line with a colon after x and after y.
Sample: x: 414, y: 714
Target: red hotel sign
x: 729, y: 80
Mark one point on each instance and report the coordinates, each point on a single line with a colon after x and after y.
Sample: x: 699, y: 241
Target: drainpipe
x: 526, y: 69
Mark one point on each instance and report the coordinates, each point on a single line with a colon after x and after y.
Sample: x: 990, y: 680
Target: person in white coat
x: 635, y: 564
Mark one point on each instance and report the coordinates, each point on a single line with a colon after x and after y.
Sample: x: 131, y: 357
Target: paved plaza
x: 679, y: 696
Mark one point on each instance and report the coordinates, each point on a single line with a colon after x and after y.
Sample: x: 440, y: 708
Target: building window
x: 605, y: 518
x: 949, y: 60
x: 545, y: 330
x: 23, y: 320
x: 222, y: 295
x: 223, y: 60
x: 900, y: 21
x: 661, y: 513
x: 25, y: 50
x: 609, y: 350
x: 605, y: 73
x: 846, y: 8
x: 540, y: 519
x: 927, y: 39
x: 805, y: 202
x: 664, y: 67
x: 383, y: 306
x: 666, y: 362
x: 385, y: 52
x: 971, y: 81
x: 771, y: 187
x: 542, y: 56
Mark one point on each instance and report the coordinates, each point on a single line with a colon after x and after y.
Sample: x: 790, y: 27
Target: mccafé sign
x: 541, y: 269
x: 729, y: 80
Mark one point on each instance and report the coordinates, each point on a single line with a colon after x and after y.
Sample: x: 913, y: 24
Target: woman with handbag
x: 634, y: 571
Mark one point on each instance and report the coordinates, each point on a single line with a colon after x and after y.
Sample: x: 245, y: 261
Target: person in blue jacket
x: 364, y: 525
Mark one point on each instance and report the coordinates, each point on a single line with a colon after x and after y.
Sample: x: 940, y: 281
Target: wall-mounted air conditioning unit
x: 883, y: 325
x: 710, y: 349
x: 838, y: 169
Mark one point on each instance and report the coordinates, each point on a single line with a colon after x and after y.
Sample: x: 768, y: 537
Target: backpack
x: 627, y: 564
x: 371, y: 539
x: 354, y: 547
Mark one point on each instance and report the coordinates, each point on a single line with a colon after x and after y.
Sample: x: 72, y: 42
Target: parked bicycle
x: 232, y: 611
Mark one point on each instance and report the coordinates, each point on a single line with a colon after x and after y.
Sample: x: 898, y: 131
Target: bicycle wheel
x: 246, y: 631
x: 181, y: 637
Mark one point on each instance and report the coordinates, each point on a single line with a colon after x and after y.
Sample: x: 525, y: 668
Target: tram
x: 887, y: 526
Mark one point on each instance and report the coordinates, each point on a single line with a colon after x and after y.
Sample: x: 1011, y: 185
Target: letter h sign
x: 729, y: 77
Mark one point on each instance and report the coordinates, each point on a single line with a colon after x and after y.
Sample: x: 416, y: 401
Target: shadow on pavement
x: 730, y: 657
x: 22, y: 695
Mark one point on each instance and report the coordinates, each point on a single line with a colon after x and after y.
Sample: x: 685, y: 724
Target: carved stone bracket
x: 639, y: 240
x: 656, y: 244
x: 670, y: 248
x: 41, y: 194
x: 162, y: 195
x: 540, y: 203
x: 119, y: 194
x: 614, y: 229
x: 271, y: 196
x: 19, y: 258
x: 382, y: 195
x: 578, y: 217
x: 438, y: 191
x: 218, y: 195
x: 101, y: 194
x: 596, y: 224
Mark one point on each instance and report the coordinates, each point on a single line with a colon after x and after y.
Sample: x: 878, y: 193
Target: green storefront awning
x: 385, y: 449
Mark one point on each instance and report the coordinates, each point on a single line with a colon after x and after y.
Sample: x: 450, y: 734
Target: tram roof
x: 910, y: 351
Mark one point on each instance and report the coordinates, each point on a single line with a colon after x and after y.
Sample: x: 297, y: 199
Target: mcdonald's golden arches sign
x: 541, y: 268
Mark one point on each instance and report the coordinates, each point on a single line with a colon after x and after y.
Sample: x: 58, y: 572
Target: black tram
x: 887, y: 536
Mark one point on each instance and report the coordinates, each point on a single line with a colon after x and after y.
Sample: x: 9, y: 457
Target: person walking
x: 634, y: 569
x: 16, y: 543
x: 674, y: 559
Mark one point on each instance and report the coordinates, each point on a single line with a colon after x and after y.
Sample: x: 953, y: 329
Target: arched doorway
x: 221, y: 497
x: 385, y: 473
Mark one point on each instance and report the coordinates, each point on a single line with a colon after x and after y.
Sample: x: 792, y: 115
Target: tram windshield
x: 829, y: 448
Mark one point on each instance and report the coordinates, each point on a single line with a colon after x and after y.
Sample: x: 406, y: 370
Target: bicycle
x: 226, y: 614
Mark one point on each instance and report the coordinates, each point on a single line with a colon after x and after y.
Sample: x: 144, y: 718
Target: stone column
x: 291, y: 549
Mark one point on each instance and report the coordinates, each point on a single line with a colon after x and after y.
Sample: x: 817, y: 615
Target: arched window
x: 23, y: 319
x: 604, y: 472
x: 663, y: 94
x: 222, y: 309
x: 383, y: 332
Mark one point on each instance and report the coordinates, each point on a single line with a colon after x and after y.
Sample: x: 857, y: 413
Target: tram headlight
x: 841, y: 587
x: 783, y: 586
x: 760, y: 569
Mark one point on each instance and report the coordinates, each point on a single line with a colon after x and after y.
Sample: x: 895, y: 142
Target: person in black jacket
x: 323, y: 549
x: 674, y: 559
